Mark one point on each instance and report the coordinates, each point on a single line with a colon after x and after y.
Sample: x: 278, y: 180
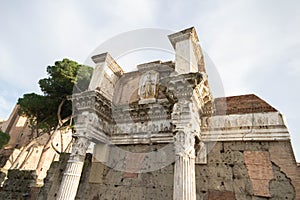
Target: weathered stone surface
x: 281, y: 186
x: 227, y: 176
x: 53, y: 179
x: 226, y: 171
x: 19, y: 185
x: 4, y: 155
x: 111, y: 184
x: 282, y: 155
x: 96, y: 175
x: 221, y: 195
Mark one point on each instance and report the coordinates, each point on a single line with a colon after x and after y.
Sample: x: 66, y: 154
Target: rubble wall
x: 234, y: 170
x: 20, y: 185
x: 248, y: 170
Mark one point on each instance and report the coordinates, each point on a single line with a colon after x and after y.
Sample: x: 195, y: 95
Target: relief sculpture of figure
x: 147, y: 89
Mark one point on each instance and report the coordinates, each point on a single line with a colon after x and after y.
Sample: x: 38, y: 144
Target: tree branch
x: 59, y: 111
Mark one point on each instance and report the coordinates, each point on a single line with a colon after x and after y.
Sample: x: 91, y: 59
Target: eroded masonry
x: 158, y: 133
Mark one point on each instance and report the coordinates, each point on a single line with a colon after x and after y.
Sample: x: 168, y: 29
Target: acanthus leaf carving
x: 184, y: 144
x: 79, y: 147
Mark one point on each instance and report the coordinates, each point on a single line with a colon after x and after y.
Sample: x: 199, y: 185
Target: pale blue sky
x: 254, y: 44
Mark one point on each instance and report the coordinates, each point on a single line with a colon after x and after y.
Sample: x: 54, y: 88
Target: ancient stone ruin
x: 158, y: 133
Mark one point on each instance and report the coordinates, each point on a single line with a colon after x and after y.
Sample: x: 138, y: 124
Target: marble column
x: 184, y: 141
x: 184, y: 173
x: 72, y: 174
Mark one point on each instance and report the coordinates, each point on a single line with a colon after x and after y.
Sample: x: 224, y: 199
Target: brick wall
x: 242, y: 104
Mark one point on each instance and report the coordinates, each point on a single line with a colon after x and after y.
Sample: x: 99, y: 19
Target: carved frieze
x: 158, y: 126
x: 180, y: 107
x: 242, y: 120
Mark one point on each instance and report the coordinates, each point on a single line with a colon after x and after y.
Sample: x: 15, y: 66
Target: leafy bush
x: 4, y: 138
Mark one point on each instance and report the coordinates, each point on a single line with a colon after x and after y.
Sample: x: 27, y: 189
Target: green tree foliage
x: 53, y: 108
x: 4, y: 138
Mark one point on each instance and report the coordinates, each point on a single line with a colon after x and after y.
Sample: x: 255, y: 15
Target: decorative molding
x: 186, y: 34
x: 245, y: 127
x: 111, y: 63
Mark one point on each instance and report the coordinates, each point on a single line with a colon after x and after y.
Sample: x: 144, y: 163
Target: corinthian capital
x: 79, y: 148
x: 184, y: 144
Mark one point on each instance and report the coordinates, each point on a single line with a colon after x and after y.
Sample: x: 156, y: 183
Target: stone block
x: 220, y: 195
x: 243, y: 186
x: 203, y: 195
x: 219, y: 171
x: 239, y: 171
x: 220, y: 184
x: 96, y: 174
x: 202, y: 184
x: 232, y: 157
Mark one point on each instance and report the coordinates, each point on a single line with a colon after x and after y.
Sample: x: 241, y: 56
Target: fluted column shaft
x: 72, y: 174
x: 184, y: 173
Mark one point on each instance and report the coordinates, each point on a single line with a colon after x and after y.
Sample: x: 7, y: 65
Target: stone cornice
x: 186, y: 34
x: 111, y: 63
x: 158, y: 66
x: 244, y: 127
